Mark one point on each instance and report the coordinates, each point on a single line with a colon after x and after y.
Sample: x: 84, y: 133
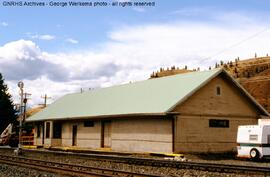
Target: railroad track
x: 68, y: 169
x: 211, y: 167
x: 203, y: 166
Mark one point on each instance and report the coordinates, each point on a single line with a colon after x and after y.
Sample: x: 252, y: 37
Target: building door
x: 106, y: 139
x: 74, y: 135
x: 43, y: 134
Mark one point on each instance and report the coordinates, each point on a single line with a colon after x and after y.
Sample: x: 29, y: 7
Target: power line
x: 238, y: 43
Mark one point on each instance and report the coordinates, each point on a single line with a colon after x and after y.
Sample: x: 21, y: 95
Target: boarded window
x: 218, y: 90
x: 57, y: 130
x: 88, y: 123
x: 217, y: 123
x: 253, y: 137
x: 48, y: 126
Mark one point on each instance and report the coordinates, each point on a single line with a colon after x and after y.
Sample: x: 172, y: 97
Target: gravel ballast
x: 15, y: 171
x: 7, y: 170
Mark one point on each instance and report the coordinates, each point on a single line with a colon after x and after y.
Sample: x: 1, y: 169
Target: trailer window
x: 219, y: 123
x: 253, y: 137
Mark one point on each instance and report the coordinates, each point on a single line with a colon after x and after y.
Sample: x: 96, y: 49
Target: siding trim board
x: 79, y: 138
x: 173, y: 133
x: 206, y: 142
x: 144, y: 140
x: 225, y: 116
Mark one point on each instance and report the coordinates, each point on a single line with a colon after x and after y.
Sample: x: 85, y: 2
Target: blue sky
x: 58, y: 50
x: 89, y: 26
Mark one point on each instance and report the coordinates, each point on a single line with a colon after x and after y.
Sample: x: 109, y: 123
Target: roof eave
x: 103, y: 116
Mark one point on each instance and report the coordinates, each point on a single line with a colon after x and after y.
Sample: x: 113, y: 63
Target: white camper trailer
x: 253, y: 141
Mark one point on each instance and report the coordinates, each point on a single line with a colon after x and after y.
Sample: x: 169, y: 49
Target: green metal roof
x: 153, y: 96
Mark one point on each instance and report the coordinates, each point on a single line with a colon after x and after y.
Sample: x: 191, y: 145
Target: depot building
x: 191, y: 112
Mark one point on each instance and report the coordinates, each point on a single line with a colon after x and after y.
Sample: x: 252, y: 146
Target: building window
x: 57, y: 130
x: 253, y: 137
x: 218, y: 90
x: 268, y: 139
x: 48, y: 126
x: 219, y: 123
x: 88, y: 123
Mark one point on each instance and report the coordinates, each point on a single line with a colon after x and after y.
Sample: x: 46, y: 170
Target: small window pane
x: 88, y: 123
x: 219, y: 123
x: 218, y: 90
x: 253, y: 137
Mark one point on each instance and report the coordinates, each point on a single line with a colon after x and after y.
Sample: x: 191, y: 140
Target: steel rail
x: 66, y: 168
x: 211, y: 167
x: 203, y: 166
x: 214, y: 167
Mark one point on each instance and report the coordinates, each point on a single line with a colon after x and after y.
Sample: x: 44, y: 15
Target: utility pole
x: 20, y: 85
x: 45, y: 97
x: 23, y: 96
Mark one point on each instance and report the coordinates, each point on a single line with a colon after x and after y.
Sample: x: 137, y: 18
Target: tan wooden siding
x: 142, y: 135
x: 88, y: 137
x: 206, y: 102
x: 66, y: 134
x: 192, y: 132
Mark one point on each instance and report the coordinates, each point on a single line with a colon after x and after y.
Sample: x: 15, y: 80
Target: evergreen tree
x: 7, y: 112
